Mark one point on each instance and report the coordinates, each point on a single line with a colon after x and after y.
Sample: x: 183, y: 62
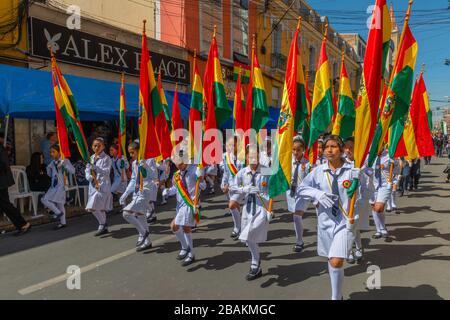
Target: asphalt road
x: 414, y: 264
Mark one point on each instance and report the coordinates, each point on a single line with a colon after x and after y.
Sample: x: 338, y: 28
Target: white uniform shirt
x: 100, y: 199
x: 293, y: 200
x: 55, y: 170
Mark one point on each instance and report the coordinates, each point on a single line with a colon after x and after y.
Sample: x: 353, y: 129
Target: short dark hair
x: 349, y: 139
x: 55, y: 147
x: 134, y: 145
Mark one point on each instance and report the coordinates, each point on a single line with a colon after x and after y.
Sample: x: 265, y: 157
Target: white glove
x: 269, y: 216
x: 356, y: 172
x: 123, y: 199
x: 352, y: 226
x: 165, y: 192
x: 199, y: 172
x: 327, y: 200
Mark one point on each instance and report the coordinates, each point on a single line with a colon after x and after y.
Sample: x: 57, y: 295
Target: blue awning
x: 27, y: 94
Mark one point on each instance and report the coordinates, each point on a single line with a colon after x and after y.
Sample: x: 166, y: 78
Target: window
x: 276, y: 38
x: 276, y: 97
x: 312, y: 59
x: 240, y: 27
x: 210, y: 15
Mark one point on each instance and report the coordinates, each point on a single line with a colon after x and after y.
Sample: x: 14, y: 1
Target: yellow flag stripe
x: 322, y: 84
x: 258, y: 80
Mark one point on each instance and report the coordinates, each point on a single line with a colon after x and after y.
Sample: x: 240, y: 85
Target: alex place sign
x: 80, y: 48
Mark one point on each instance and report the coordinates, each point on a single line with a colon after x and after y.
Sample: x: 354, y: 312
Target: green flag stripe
x: 221, y: 108
x: 260, y: 109
x: 321, y: 117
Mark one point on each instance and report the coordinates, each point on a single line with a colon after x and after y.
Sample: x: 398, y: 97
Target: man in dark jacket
x: 6, y: 180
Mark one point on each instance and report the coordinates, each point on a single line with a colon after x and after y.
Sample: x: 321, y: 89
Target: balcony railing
x: 279, y: 61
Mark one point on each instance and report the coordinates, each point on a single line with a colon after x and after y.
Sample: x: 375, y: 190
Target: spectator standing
x: 45, y: 145
x: 37, y: 174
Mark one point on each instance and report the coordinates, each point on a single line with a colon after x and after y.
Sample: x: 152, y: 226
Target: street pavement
x: 414, y: 263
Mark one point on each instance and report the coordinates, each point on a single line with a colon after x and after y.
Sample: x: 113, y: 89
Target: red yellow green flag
x: 148, y: 138
x: 63, y: 136
x: 122, y: 120
x: 195, y: 113
x: 218, y: 110
x: 344, y: 124
x: 293, y: 102
x: 322, y: 106
x: 239, y: 103
x: 368, y: 100
x: 70, y: 112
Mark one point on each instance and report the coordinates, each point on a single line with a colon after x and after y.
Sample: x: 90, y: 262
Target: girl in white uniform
x: 297, y: 205
x: 383, y: 190
x: 255, y: 218
x: 120, y: 166
x: 98, y: 174
x: 163, y: 171
x: 134, y: 212
x: 327, y: 186
x: 231, y: 166
x: 153, y: 186
x: 184, y: 186
x: 55, y: 198
x: 210, y: 177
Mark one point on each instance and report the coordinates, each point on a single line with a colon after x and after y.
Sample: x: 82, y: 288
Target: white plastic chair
x: 73, y: 186
x: 21, y: 189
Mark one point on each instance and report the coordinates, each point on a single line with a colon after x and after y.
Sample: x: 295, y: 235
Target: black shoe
x: 183, y: 256
x: 298, y: 247
x: 385, y: 235
x: 144, y: 247
x: 101, y: 232
x: 388, y: 210
x: 59, y: 226
x: 140, y: 243
x: 254, y: 274
x: 234, y: 235
x: 23, y: 230
x: 189, y: 260
x: 152, y: 219
x: 377, y: 235
x: 227, y: 214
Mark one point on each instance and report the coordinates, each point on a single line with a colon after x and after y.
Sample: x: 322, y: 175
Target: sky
x: 429, y: 23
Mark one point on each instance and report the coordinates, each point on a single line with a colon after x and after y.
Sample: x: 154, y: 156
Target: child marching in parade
x: 297, y: 205
x: 383, y: 189
x: 134, y: 212
x: 153, y: 186
x: 120, y: 166
x: 327, y: 186
x: 231, y: 166
x: 255, y: 217
x: 185, y: 188
x: 98, y: 174
x: 55, y: 198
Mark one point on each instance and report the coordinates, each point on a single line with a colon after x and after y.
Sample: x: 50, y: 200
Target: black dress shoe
x: 184, y: 255
x: 59, y: 226
x: 254, y: 273
x: 227, y: 214
x: 152, y: 219
x: 23, y: 230
x: 234, y: 235
x: 141, y: 242
x: 377, y: 235
x: 298, y: 247
x: 144, y: 247
x: 189, y: 260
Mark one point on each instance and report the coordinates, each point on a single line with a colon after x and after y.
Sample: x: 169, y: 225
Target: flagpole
x: 141, y: 180
x: 120, y: 129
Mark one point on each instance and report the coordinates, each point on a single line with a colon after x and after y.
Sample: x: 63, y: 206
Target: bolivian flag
x: 243, y: 70
x: 218, y: 110
x: 148, y: 94
x: 426, y: 101
x: 162, y: 95
x: 322, y: 105
x: 292, y: 104
x: 63, y: 136
x: 122, y: 121
x: 239, y: 103
x: 368, y: 100
x: 344, y: 124
x: 401, y: 88
x: 196, y: 114
x: 256, y: 109
x: 69, y: 112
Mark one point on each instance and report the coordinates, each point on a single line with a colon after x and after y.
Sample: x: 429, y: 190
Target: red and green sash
x: 231, y: 166
x: 184, y: 193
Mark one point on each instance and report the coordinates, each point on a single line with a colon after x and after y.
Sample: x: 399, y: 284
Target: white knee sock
x: 98, y: 217
x: 236, y: 219
x: 394, y: 199
x: 180, y: 236
x: 298, y: 226
x: 143, y: 223
x: 254, y: 250
x: 162, y: 191
x: 132, y: 219
x: 376, y: 220
x: 51, y: 205
x: 337, y: 278
x: 389, y: 202
x: 61, y: 208
x: 190, y: 243
x: 358, y: 243
x: 102, y: 215
x: 382, y: 220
